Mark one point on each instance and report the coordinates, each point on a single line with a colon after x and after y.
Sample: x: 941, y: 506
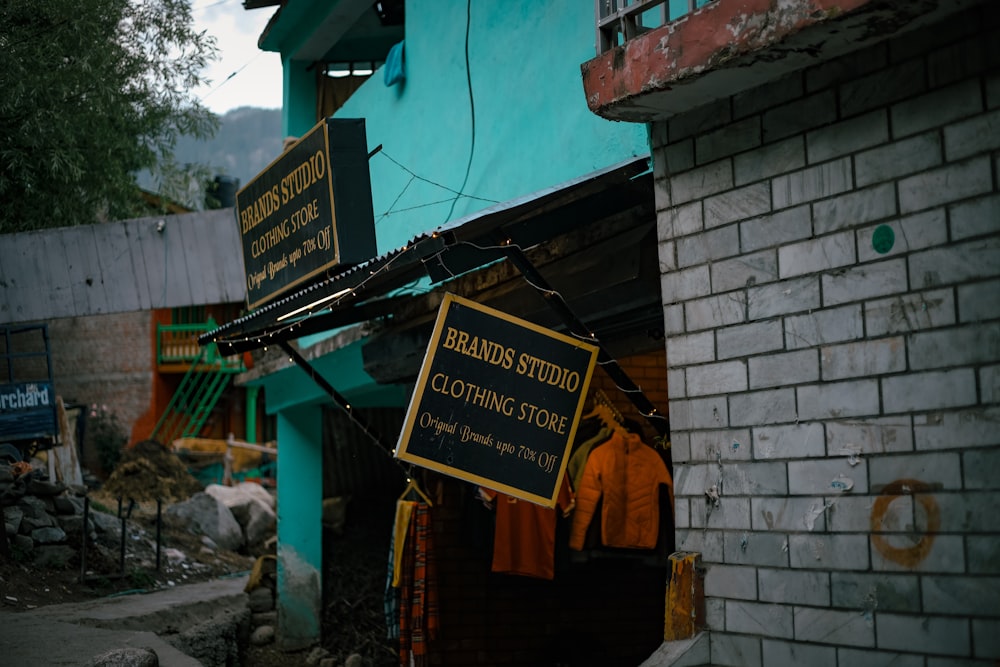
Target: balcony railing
x: 177, y: 346
x: 621, y: 20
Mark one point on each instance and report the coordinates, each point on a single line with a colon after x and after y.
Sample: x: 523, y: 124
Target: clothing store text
x: 291, y: 227
x: 505, y: 405
x: 497, y: 401
x: 466, y: 433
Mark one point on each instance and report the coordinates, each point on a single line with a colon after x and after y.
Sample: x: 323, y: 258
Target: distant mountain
x: 247, y: 141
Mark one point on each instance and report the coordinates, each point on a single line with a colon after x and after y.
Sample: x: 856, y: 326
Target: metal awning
x: 364, y: 292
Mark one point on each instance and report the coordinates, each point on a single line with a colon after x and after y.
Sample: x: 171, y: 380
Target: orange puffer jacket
x: 628, y: 474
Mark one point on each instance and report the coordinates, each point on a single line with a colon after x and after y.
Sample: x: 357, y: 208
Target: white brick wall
x: 844, y: 397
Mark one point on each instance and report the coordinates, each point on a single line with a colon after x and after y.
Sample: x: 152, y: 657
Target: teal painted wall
x: 532, y: 125
x: 298, y: 98
x: 533, y: 130
x: 300, y: 543
x: 530, y: 130
x: 344, y: 369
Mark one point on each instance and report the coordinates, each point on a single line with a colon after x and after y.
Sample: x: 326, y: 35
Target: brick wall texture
x: 105, y: 360
x: 831, y: 290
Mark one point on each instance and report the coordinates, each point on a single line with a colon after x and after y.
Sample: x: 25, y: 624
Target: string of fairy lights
x: 334, y: 300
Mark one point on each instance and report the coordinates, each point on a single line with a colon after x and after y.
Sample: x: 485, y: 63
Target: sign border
x: 401, y: 452
x: 335, y: 260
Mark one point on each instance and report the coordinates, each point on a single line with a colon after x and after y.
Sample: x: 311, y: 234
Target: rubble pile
x: 149, y: 471
x: 204, y: 533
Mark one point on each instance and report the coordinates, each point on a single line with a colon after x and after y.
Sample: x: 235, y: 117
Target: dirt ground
x: 184, y: 559
x: 354, y: 579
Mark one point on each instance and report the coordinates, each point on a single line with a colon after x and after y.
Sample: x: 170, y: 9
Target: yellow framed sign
x: 497, y: 401
x: 309, y: 211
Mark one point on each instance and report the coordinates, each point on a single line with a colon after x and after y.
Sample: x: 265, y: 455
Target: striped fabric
x: 418, y: 604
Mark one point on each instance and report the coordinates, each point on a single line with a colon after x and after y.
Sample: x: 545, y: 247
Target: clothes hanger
x: 603, y: 399
x: 608, y: 413
x: 411, y: 485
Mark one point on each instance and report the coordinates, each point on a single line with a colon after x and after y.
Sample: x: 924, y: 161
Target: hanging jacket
x: 627, y: 474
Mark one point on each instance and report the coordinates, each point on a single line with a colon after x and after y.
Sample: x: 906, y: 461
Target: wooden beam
x: 685, y: 603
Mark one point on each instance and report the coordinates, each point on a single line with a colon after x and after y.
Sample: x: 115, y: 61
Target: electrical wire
x: 427, y: 180
x: 231, y: 76
x: 209, y: 6
x: 472, y: 106
x: 413, y: 175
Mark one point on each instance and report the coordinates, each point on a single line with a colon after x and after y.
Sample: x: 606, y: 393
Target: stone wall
x: 830, y: 252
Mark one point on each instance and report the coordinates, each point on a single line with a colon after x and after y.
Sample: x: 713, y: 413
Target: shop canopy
x: 364, y: 292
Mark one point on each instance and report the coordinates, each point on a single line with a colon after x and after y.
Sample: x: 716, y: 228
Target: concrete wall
x: 840, y: 391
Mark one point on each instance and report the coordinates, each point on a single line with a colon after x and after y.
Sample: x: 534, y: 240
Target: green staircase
x: 199, y: 391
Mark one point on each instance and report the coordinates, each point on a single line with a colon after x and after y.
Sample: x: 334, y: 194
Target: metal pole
x: 121, y: 557
x: 159, y: 524
x: 83, y: 547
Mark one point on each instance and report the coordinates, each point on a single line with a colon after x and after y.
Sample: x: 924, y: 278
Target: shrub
x: 106, y: 436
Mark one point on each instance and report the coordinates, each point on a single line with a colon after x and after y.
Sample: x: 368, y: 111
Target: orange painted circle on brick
x: 906, y: 556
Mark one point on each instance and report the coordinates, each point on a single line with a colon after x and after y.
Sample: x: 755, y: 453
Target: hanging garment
x: 418, y: 606
x: 401, y: 527
x: 390, y: 600
x: 625, y: 474
x: 395, y: 65
x: 588, y: 427
x: 525, y: 538
x: 578, y: 460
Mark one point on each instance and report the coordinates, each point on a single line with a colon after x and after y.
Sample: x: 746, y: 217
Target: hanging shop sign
x: 497, y: 401
x: 308, y: 212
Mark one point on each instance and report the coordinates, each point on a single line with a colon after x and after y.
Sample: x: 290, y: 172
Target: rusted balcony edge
x: 661, y: 72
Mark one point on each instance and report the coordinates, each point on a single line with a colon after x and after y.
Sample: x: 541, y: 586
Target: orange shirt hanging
x: 525, y: 538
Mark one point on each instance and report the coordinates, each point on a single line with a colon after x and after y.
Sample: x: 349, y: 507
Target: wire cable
x: 472, y: 107
x: 414, y: 175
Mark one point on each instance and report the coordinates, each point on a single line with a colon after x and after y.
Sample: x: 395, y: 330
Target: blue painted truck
x: 28, y: 418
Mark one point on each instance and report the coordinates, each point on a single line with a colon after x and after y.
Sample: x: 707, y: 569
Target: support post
x: 685, y: 603
x: 251, y: 410
x: 300, y: 543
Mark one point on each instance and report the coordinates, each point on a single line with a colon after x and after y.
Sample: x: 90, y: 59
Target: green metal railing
x: 178, y: 344
x: 204, y: 382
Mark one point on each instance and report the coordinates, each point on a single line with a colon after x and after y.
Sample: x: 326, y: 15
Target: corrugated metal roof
x: 167, y: 261
x: 359, y: 293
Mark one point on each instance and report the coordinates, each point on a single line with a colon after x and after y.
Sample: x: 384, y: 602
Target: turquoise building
x: 473, y: 112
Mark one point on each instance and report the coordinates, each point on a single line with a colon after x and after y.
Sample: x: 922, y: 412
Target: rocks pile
x: 320, y: 657
x: 233, y: 517
x: 43, y: 524
x: 261, y: 598
x: 43, y: 520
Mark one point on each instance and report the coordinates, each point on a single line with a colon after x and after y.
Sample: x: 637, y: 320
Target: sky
x: 243, y: 75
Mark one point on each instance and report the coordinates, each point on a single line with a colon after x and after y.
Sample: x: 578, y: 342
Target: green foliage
x: 140, y: 578
x: 105, y: 434
x: 100, y: 507
x: 93, y: 92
